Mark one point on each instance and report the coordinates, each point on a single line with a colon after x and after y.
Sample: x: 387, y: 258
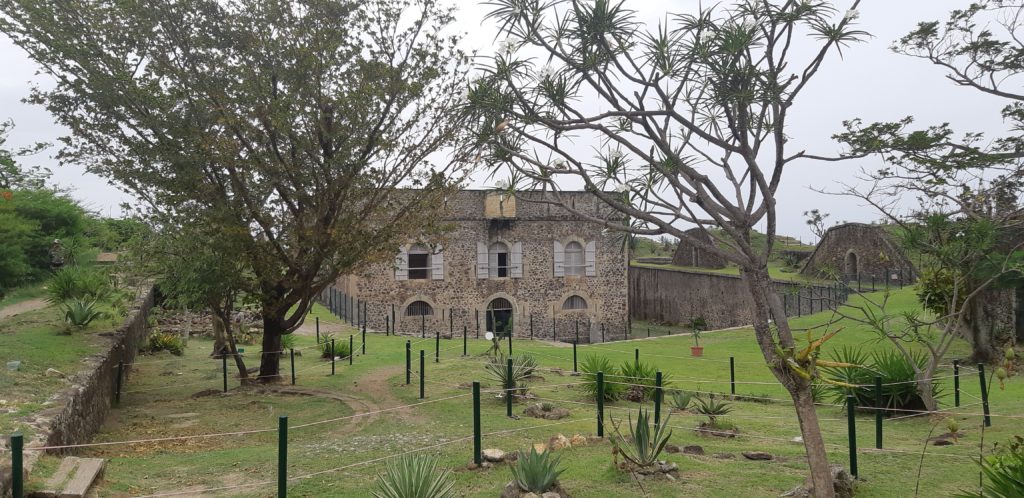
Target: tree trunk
x: 220, y: 342
x: 232, y: 348
x: 270, y: 359
x: 768, y: 306
x: 924, y: 384
x: 980, y: 333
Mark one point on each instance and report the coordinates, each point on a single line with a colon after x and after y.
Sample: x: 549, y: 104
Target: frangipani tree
x: 678, y: 126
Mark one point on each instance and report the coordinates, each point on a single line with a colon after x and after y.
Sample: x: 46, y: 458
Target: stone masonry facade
x: 859, y: 250
x: 554, y: 272
x: 688, y: 254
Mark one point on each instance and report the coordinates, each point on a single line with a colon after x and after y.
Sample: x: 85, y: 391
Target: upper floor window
x: 497, y: 260
x: 419, y: 308
x: 574, y: 303
x: 574, y: 262
x: 419, y: 263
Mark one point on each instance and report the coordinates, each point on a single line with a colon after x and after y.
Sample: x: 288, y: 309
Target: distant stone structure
x: 859, y: 250
x: 688, y: 254
x: 509, y: 263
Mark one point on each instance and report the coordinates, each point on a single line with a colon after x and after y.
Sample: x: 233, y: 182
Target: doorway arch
x: 499, y: 316
x: 850, y: 266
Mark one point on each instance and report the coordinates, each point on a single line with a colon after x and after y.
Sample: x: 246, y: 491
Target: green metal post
x: 657, y: 399
x: 17, y: 466
x: 351, y: 349
x: 636, y: 355
x: 510, y: 342
x: 291, y: 353
x: 464, y: 342
x: 878, y: 412
x: 364, y: 339
x: 333, y: 357
x: 648, y: 332
x: 984, y: 394
x: 224, y: 369
x: 282, y: 457
x: 732, y: 375
x: 600, y: 404
x: 508, y: 388
x: 554, y: 330
x: 851, y: 423
x: 117, y: 388
x: 422, y: 374
x: 387, y: 325
x: 318, y: 330
x: 477, y: 445
x: 531, y: 326
x: 437, y: 347
x: 574, y: 357
x: 956, y: 383
x: 602, y: 332
x: 408, y: 362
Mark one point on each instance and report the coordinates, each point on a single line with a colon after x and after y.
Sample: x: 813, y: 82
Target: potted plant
x: 696, y: 326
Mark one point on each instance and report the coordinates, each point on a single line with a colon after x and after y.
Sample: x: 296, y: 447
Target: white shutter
x: 437, y: 264
x: 591, y: 258
x: 517, y: 260
x: 481, y: 260
x: 559, y: 259
x: 402, y: 264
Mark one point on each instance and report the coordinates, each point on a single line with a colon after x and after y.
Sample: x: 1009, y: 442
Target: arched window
x: 497, y: 260
x: 499, y: 316
x: 419, y: 308
x: 574, y: 303
x: 419, y: 263
x: 575, y: 263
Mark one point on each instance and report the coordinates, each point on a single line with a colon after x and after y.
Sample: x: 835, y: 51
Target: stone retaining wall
x: 79, y: 410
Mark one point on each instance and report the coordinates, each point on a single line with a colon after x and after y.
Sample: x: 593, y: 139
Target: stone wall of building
x: 460, y: 298
x: 858, y: 250
x: 79, y: 411
x: 674, y: 296
x: 688, y: 254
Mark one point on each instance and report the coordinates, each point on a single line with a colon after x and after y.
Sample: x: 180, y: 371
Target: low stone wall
x: 675, y: 296
x: 79, y: 410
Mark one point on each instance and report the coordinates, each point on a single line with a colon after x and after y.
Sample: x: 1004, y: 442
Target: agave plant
x: 536, y: 472
x: 644, y: 445
x: 81, y: 313
x: 641, y: 377
x: 523, y: 366
x: 73, y: 282
x: 340, y: 347
x: 711, y: 408
x: 590, y: 366
x: 681, y: 399
x: 1004, y: 473
x: 414, y: 476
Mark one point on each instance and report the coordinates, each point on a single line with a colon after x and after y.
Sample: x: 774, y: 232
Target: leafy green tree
x: 688, y: 121
x: 296, y: 126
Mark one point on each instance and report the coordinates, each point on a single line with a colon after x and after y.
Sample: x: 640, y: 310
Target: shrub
x: 899, y: 391
x: 1004, y: 473
x: 163, y: 341
x: 681, y: 399
x: 414, y: 476
x: 523, y: 367
x: 545, y: 406
x: 246, y: 335
x: 644, y: 444
x: 590, y: 366
x: 288, y: 341
x: 79, y: 313
x: 711, y: 408
x: 536, y: 472
x: 340, y: 347
x: 642, y: 377
x: 76, y: 282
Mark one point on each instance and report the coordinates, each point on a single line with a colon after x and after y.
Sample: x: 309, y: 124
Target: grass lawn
x: 776, y: 270
x: 169, y: 396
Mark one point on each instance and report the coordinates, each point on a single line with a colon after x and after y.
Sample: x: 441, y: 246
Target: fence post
x: 602, y: 332
x: 291, y: 354
x: 878, y: 412
x: 332, y: 357
x: 476, y: 423
x: 477, y: 312
x: 799, y: 304
x: 364, y: 339
x: 437, y: 347
x: 851, y: 423
x: 451, y: 324
x: 600, y: 404
x: 387, y: 325
x: 464, y: 346
x: 351, y: 349
x: 577, y: 330
x: 318, y: 330
x: 508, y: 388
x: 657, y: 400
x: 648, y: 332
x: 17, y: 466
x: 732, y: 375
x: 636, y: 355
x: 554, y: 330
x: 224, y: 369
x: 423, y: 326
x: 117, y: 388
x: 394, y: 321
x: 408, y: 362
x: 282, y: 456
x: 956, y: 383
x: 422, y: 373
x: 510, y: 342
x: 531, y: 326
x: 984, y: 394
x: 574, y: 357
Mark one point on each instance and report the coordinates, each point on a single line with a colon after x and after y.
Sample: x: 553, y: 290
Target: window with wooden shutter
x: 498, y: 260
x: 591, y: 258
x: 418, y: 262
x: 517, y: 260
x: 481, y: 260
x: 402, y: 265
x: 559, y: 259
x: 575, y: 264
x: 437, y: 264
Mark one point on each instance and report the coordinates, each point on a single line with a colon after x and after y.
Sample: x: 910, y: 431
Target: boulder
x: 693, y: 450
x: 53, y: 372
x: 671, y: 448
x: 536, y: 410
x: 540, y: 447
x: 558, y: 442
x: 578, y: 440
x: 842, y: 482
x: 493, y: 455
x: 757, y: 455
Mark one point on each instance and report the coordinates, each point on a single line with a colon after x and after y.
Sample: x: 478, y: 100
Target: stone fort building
x: 853, y: 251
x: 510, y: 263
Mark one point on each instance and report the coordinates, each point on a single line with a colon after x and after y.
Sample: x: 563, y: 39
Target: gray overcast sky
x: 869, y: 82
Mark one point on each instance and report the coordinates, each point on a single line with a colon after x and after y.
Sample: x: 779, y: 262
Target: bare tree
x: 677, y: 126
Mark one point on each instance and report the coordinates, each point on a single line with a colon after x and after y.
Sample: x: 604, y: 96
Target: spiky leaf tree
x: 680, y: 125
x: 292, y: 124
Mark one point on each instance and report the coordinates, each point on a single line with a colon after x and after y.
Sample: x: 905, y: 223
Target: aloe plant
x: 536, y: 472
x: 414, y: 476
x: 523, y: 367
x: 80, y: 313
x: 711, y: 408
x: 644, y: 444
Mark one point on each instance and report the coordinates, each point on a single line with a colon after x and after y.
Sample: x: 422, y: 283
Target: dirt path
x: 308, y: 328
x: 22, y: 307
